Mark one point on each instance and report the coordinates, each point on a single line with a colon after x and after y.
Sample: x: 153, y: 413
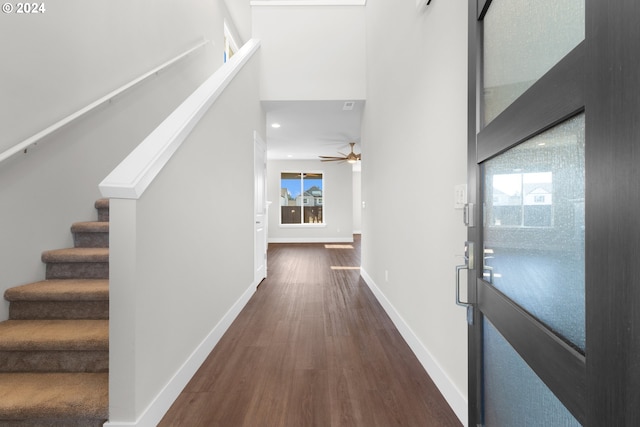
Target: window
x: 230, y: 45
x: 301, y: 198
x: 522, y: 199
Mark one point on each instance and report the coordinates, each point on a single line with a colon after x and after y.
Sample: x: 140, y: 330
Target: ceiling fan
x: 350, y: 158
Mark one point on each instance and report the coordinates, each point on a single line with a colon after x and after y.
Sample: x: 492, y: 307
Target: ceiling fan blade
x: 352, y: 157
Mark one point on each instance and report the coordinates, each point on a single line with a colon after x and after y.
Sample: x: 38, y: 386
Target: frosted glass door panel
x: 534, y: 227
x: 524, y: 39
x: 513, y: 394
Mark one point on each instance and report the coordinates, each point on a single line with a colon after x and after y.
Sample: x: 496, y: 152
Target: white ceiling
x: 309, y: 129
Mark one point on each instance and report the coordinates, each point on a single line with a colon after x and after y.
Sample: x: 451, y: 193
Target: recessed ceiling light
x: 275, y: 125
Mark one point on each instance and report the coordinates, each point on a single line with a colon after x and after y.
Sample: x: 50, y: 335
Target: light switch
x: 460, y: 196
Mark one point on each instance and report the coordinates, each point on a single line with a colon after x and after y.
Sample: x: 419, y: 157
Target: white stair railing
x: 134, y: 174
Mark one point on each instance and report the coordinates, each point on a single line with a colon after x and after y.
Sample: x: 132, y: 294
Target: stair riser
x: 43, y: 387
x: 103, y: 214
x: 54, y: 361
x: 25, y: 310
x: 91, y: 240
x: 77, y: 270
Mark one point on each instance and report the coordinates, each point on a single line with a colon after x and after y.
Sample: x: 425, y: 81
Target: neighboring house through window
x: 523, y: 199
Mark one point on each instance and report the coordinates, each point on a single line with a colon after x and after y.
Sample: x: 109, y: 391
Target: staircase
x: 54, y: 349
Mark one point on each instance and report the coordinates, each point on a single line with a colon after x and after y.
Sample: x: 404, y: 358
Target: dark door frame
x: 603, y: 387
x: 613, y: 212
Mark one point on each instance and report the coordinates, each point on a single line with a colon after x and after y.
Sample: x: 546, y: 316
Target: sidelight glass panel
x: 290, y: 190
x: 524, y: 39
x: 534, y: 227
x: 513, y: 394
x: 313, y: 198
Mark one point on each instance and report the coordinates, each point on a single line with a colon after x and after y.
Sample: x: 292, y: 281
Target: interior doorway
x: 260, y: 208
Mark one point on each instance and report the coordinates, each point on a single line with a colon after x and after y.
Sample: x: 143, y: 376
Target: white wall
x: 337, y: 211
x: 414, y: 151
x: 240, y: 12
x: 182, y: 263
x: 57, y: 63
x: 357, y: 201
x: 311, y: 52
x: 77, y: 51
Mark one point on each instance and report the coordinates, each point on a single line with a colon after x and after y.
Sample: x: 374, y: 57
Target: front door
x: 554, y: 285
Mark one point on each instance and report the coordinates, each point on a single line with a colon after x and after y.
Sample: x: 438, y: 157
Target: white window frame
x: 303, y: 224
x: 230, y: 45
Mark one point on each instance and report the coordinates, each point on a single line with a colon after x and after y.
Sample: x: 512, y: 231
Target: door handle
x: 458, y: 301
x: 469, y: 264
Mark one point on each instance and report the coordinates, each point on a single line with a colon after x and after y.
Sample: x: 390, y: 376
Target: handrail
x: 134, y: 174
x: 22, y: 146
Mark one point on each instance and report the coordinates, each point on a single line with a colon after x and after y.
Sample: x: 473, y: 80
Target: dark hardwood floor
x: 313, y: 347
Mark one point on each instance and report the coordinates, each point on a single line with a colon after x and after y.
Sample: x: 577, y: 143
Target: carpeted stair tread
x: 61, y: 290
x: 70, y: 255
x: 53, y: 396
x: 54, y: 352
x: 27, y: 335
x: 101, y: 204
x: 90, y: 227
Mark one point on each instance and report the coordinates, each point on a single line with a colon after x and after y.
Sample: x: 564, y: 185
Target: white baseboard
x: 163, y: 401
x: 456, y: 399
x: 311, y: 240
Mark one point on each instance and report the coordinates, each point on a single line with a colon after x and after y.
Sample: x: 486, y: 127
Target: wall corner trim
x: 451, y: 393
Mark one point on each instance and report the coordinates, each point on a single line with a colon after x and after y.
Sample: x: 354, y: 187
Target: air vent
x: 348, y: 106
